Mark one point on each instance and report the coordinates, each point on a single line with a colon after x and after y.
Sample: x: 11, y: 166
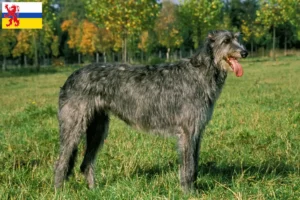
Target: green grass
x: 250, y: 150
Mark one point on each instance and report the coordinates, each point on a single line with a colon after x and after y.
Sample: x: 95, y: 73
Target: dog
x: 170, y: 99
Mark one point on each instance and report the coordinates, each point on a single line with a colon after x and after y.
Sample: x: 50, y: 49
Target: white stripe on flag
x: 25, y: 7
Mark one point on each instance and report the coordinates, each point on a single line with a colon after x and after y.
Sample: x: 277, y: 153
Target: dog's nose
x: 244, y: 54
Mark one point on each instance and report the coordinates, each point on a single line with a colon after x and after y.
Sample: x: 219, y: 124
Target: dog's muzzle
x: 244, y: 53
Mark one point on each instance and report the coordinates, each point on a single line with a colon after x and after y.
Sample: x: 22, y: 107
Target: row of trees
x: 94, y: 28
x: 31, y: 44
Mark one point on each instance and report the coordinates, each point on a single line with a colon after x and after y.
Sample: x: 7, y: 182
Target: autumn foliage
x: 138, y: 27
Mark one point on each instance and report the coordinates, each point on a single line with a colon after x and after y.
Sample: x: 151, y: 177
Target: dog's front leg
x: 189, y: 144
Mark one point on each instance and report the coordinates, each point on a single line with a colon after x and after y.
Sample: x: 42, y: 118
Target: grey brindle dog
x: 170, y: 99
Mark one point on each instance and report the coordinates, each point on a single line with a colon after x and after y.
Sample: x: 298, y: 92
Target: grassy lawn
x: 250, y: 150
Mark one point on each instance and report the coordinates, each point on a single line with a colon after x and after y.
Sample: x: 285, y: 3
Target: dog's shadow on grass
x: 151, y: 172
x: 212, y: 174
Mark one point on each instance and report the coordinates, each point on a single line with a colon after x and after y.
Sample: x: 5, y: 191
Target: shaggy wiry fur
x: 171, y: 99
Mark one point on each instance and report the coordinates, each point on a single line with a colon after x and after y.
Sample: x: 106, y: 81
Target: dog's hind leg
x: 96, y: 133
x: 189, y: 145
x: 72, y: 121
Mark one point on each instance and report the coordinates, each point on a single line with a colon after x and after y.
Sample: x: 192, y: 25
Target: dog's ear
x: 211, y: 37
x: 237, y: 34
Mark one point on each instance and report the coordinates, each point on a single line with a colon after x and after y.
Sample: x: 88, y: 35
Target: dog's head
x: 227, y: 50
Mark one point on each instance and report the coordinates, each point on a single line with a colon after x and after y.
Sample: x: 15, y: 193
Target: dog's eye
x: 226, y: 41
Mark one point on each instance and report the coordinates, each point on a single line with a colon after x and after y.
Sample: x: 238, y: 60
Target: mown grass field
x: 250, y: 150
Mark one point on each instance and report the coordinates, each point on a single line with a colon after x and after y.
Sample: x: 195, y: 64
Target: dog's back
x: 150, y: 97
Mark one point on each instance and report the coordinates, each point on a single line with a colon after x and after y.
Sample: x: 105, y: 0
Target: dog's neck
x: 207, y: 64
x: 204, y: 63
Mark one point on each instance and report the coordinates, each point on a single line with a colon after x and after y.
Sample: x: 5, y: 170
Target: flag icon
x: 22, y: 15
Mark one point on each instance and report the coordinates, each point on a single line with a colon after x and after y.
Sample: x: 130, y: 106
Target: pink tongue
x: 237, y: 68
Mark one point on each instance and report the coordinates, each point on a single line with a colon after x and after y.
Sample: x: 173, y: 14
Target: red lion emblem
x: 12, y: 14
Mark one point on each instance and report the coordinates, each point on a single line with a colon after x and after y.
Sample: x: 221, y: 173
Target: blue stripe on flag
x: 27, y: 15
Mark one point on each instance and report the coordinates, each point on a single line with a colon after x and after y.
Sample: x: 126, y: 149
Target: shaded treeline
x: 147, y: 30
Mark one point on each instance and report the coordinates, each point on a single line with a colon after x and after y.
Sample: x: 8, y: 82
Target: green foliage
x: 106, y: 40
x: 33, y: 43
x: 68, y: 7
x: 166, y: 26
x: 24, y: 45
x: 200, y: 16
x: 252, y: 30
x: 55, y: 46
x: 7, y: 41
x: 271, y: 13
x: 145, y: 27
x: 144, y: 41
x: 122, y: 17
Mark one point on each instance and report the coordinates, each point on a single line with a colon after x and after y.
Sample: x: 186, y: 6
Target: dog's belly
x: 147, y: 121
x: 164, y: 121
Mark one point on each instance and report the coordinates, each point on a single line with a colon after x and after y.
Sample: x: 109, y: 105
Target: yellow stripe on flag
x: 25, y: 23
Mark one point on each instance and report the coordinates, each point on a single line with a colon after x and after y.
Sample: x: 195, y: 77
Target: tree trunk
x: 79, y: 59
x: 44, y: 60
x: 180, y: 54
x: 168, y: 54
x: 176, y: 55
x: 274, y: 42
x: 159, y: 54
x: 191, y: 52
x: 25, y: 61
x: 36, y: 61
x: 4, y: 64
x: 104, y: 57
x: 285, y: 43
x: 97, y: 57
x: 251, y: 47
x: 142, y: 56
x: 124, y: 53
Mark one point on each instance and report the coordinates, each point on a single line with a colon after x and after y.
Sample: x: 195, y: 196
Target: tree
x: 272, y: 13
x: 67, y: 7
x: 55, y: 46
x: 95, y: 39
x: 74, y: 32
x: 166, y: 27
x: 105, y: 41
x: 121, y: 17
x: 23, y: 46
x: 87, y: 43
x: 36, y: 43
x: 28, y: 43
x: 291, y: 11
x: 86, y: 38
x: 7, y: 40
x: 237, y: 10
x: 201, y: 16
x: 67, y: 10
x: 143, y: 44
x: 252, y: 31
x: 47, y: 40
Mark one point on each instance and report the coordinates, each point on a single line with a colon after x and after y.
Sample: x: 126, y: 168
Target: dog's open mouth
x: 235, y: 65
